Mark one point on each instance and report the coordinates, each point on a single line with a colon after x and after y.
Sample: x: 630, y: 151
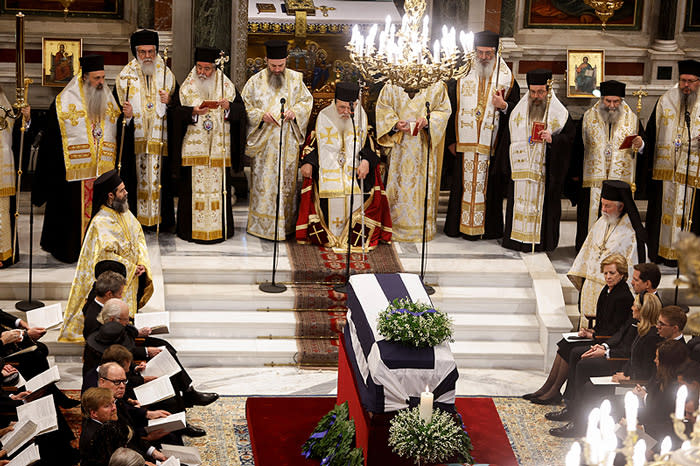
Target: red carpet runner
x: 279, y: 426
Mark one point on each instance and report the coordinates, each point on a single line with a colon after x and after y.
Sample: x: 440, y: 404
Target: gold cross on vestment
x: 316, y: 230
x: 112, y: 112
x: 666, y: 116
x: 518, y: 119
x: 338, y: 221
x: 463, y: 123
x: 72, y: 115
x: 330, y: 135
x: 359, y: 232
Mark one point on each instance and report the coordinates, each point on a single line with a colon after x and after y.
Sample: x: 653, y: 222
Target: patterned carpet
x: 228, y: 443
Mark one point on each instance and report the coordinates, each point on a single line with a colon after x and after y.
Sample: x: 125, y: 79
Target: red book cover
x: 537, y: 127
x: 627, y: 143
x: 209, y: 104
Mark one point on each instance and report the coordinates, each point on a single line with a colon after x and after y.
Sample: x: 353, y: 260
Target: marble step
x: 238, y: 297
x: 215, y: 352
x: 243, y: 324
x: 47, y: 284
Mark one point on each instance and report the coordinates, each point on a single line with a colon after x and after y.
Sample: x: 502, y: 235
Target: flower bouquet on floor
x: 414, y: 324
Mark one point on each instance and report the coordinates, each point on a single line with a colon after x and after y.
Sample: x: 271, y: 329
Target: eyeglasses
x: 689, y: 81
x: 116, y: 382
x: 660, y: 323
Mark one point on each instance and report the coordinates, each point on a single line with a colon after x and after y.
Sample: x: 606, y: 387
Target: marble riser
x: 55, y: 291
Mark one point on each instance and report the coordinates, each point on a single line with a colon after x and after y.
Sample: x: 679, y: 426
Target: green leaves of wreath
x: 414, y: 324
x: 333, y: 440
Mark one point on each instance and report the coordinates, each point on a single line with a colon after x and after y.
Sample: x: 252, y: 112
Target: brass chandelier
x: 403, y: 57
x: 604, y: 9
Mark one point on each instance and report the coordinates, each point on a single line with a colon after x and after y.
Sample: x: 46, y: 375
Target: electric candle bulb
x: 436, y: 51
x: 665, y: 446
x: 639, y: 457
x: 426, y: 21
x: 387, y: 23
x: 681, y: 396
x: 470, y: 41
x: 573, y: 457
x: 631, y: 407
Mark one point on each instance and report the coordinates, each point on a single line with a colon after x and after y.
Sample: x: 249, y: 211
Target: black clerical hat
x: 689, y: 67
x: 347, y: 92
x: 90, y: 63
x: 206, y: 54
x: 612, y: 87
x: 276, y: 49
x: 486, y: 39
x: 111, y: 333
x: 110, y: 266
x: 105, y: 184
x: 620, y: 191
x: 538, y: 77
x: 143, y: 37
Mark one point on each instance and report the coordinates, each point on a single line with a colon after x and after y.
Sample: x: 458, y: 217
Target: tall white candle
x: 639, y: 455
x: 425, y: 410
x: 631, y: 407
x: 681, y: 396
x: 665, y: 446
x: 573, y: 458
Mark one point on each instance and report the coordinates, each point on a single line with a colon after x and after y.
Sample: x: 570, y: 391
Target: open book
x: 159, y: 322
x: 39, y: 381
x: 154, y: 391
x: 23, y: 432
x: 168, y: 424
x: 162, y: 364
x: 42, y: 412
x: 46, y: 317
x: 187, y: 455
x: 30, y: 455
x: 172, y: 461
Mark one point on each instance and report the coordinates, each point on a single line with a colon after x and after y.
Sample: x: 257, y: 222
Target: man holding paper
x: 211, y: 128
x: 612, y: 136
x: 16, y: 336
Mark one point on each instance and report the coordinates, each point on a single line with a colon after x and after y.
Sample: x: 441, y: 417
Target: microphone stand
x: 428, y: 289
x: 272, y: 287
x: 685, y: 194
x: 344, y: 287
x: 29, y: 304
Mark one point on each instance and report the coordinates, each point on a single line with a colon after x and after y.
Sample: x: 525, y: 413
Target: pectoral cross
x: 602, y: 250
x: 325, y: 9
x: 330, y: 135
x: 73, y: 115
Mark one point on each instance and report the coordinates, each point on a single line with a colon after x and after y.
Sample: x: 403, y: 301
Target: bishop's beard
x: 96, y: 99
x: 484, y: 69
x: 275, y: 80
x: 535, y: 110
x: 688, y: 100
x: 205, y: 86
x: 609, y: 115
x: 343, y: 125
x: 611, y: 219
x: 148, y: 68
x: 121, y: 205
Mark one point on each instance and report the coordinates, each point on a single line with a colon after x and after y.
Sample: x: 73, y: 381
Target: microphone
x: 352, y: 108
x: 282, y: 102
x: 687, y: 113
x: 37, y: 139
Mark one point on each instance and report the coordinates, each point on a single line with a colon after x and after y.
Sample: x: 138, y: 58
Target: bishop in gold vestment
x: 672, y: 198
x: 402, y: 126
x: 262, y: 95
x: 113, y: 234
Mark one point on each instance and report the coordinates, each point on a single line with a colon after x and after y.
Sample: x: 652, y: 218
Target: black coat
x: 641, y: 364
x: 613, y: 309
x: 98, y: 441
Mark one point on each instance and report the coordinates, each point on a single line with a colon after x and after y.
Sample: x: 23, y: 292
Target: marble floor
x: 257, y: 255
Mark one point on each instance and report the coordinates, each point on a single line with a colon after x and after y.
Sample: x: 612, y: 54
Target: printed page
x: 29, y: 456
x: 41, y: 380
x: 42, y: 412
x: 154, y: 391
x: 159, y: 322
x: 162, y: 364
x: 23, y: 432
x: 187, y: 455
x: 46, y: 317
x: 170, y: 423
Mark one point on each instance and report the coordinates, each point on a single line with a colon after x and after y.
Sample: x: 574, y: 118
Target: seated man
x: 143, y: 349
x: 671, y: 323
x: 123, y: 357
x: 126, y: 457
x: 101, y: 434
x: 17, y: 335
x: 112, y: 377
x: 646, y: 277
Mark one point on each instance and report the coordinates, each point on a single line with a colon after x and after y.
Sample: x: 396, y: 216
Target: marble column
x: 211, y: 24
x: 666, y: 27
x: 452, y: 13
x: 507, y: 18
x: 145, y: 14
x: 182, y: 38
x: 239, y: 43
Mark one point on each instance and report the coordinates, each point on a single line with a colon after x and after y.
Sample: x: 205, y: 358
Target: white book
x: 39, y: 381
x: 162, y: 364
x: 170, y: 423
x: 603, y: 380
x: 159, y: 322
x: 42, y: 412
x: 45, y: 317
x: 30, y: 455
x: 187, y: 455
x: 22, y: 433
x: 573, y: 336
x: 621, y: 433
x: 154, y: 391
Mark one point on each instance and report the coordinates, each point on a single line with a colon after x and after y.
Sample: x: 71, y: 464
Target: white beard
x: 609, y: 117
x: 611, y: 219
x: 149, y: 68
x: 205, y: 86
x: 96, y: 100
x: 343, y: 125
x: 484, y: 70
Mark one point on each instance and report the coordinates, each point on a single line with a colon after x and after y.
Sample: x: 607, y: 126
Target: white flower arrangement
x: 414, y: 324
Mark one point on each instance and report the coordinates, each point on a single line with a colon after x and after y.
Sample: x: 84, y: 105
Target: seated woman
x: 636, y: 340
x: 612, y: 310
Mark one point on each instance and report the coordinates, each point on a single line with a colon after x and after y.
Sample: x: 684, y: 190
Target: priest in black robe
x: 672, y: 197
x: 541, y: 134
x: 484, y: 97
x: 80, y: 143
x: 150, y: 105
x: 207, y: 150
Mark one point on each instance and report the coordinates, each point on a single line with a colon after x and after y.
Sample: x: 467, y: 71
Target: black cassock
x: 182, y: 118
x: 584, y: 194
x: 128, y: 161
x: 497, y: 181
x: 655, y: 191
x: 557, y: 158
x: 61, y: 235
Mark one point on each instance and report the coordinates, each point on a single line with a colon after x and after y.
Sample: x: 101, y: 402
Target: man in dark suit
x: 646, y: 277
